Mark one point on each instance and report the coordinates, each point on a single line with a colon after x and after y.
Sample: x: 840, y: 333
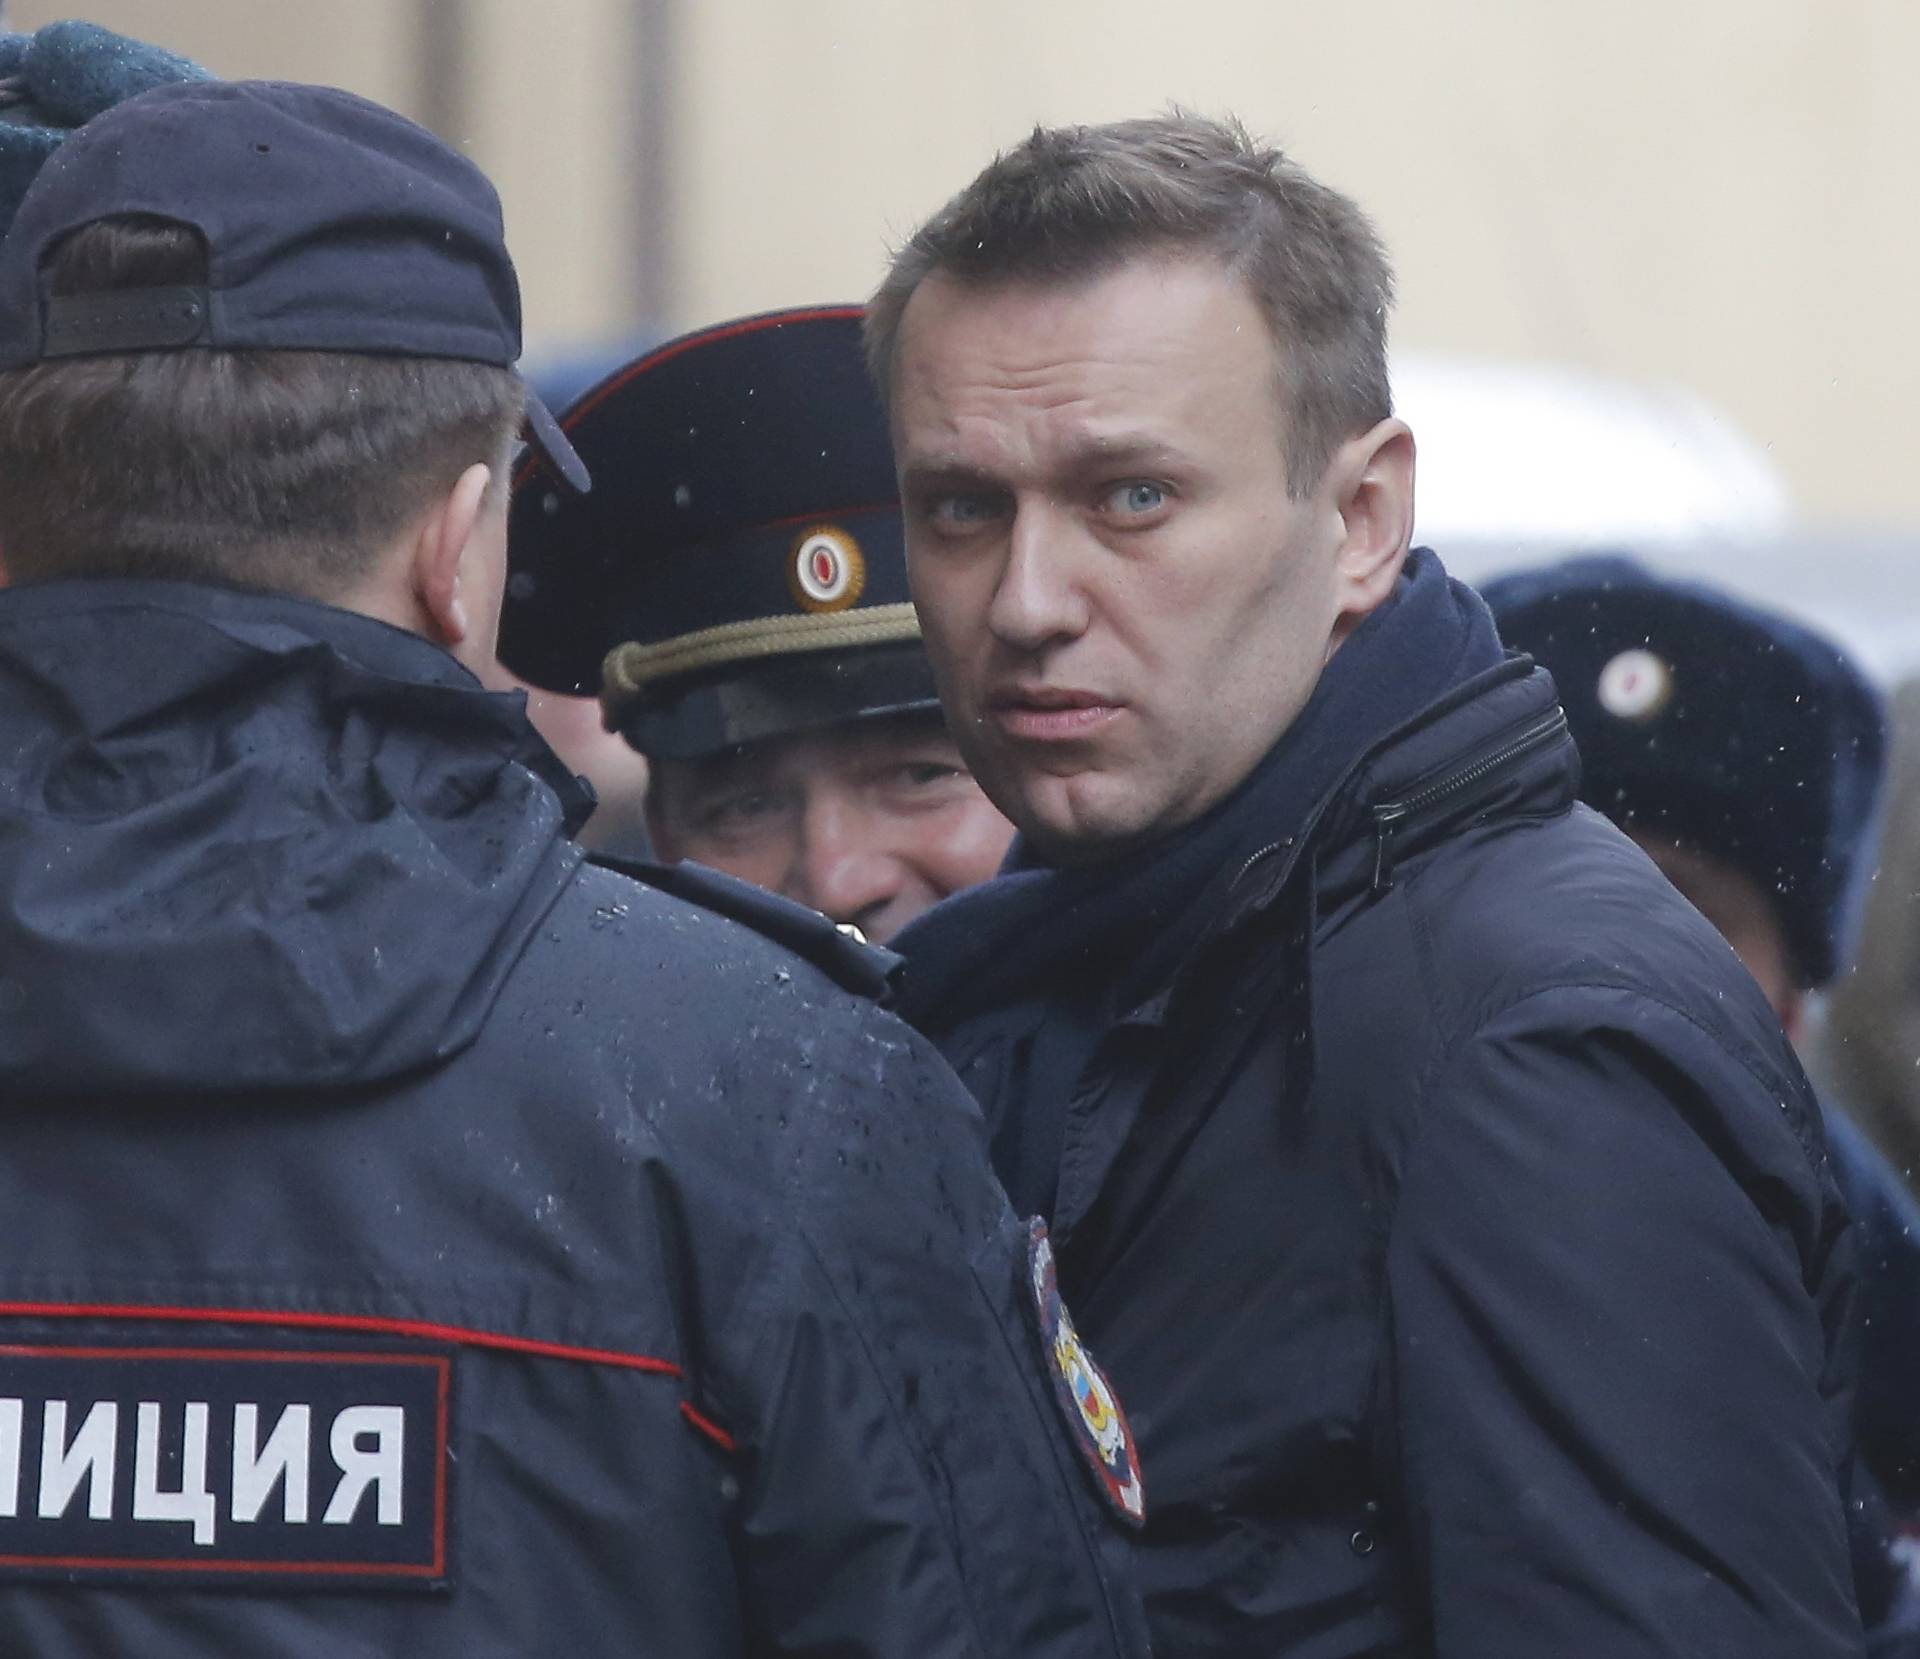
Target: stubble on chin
x: 1068, y: 822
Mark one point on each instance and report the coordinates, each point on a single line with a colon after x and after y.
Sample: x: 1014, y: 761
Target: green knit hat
x: 60, y: 78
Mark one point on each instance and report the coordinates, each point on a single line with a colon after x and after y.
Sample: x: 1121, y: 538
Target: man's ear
x: 440, y: 552
x: 1372, y: 479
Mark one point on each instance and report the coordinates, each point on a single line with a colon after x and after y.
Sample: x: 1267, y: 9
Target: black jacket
x: 1453, y: 1219
x: 419, y: 1242
x: 1886, y: 1411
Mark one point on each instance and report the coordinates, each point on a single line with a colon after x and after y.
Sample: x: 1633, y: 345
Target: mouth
x: 1050, y: 714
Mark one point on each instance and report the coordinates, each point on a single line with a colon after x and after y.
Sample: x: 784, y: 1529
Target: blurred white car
x: 1522, y: 464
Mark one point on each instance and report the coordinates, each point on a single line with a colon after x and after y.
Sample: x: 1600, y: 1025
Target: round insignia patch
x: 825, y: 569
x: 1095, y: 1421
x: 1636, y: 685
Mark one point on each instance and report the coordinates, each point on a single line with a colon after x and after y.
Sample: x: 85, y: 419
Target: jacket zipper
x: 1388, y: 816
x: 1260, y: 857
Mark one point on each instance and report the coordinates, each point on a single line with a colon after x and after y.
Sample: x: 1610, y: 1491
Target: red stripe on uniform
x: 594, y: 396
x: 707, y: 1426
x: 597, y: 395
x: 372, y: 1325
x: 367, y: 1324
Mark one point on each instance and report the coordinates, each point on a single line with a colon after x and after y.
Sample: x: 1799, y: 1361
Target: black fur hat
x: 1729, y: 728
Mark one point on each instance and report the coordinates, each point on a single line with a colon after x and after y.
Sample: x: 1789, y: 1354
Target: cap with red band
x: 741, y: 572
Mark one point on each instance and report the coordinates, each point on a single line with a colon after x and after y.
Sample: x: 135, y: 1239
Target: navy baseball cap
x: 741, y: 572
x: 331, y: 224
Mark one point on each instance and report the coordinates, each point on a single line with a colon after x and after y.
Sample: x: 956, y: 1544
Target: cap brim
x: 544, y: 433
x: 782, y: 697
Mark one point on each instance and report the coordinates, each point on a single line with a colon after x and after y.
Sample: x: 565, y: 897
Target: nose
x: 1037, y: 602
x: 844, y: 865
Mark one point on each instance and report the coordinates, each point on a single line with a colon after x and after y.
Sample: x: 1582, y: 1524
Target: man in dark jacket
x: 1441, y: 1193
x: 420, y: 1242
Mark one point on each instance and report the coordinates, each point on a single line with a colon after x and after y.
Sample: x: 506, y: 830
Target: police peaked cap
x: 1709, y: 721
x: 739, y: 571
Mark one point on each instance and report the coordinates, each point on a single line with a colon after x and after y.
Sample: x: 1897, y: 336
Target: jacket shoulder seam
x: 1452, y: 1051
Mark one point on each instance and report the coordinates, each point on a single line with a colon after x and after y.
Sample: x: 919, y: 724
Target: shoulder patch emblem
x: 826, y: 570
x: 1095, y: 1420
x: 1636, y: 685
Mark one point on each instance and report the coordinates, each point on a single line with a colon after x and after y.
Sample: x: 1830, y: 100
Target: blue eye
x: 962, y: 509
x: 1136, y: 497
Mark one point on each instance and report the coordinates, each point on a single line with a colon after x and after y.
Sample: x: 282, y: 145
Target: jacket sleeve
x: 1614, y: 1282
x: 906, y: 1483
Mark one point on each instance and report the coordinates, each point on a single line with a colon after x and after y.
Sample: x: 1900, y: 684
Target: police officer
x: 1744, y: 753
x: 419, y: 1240
x: 738, y: 575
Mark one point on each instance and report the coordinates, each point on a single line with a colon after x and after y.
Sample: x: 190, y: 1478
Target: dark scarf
x: 1055, y: 955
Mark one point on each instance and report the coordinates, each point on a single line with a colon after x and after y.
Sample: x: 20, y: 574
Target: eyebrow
x: 1123, y: 448
x: 704, y: 774
x: 941, y: 468
x: 1120, y: 450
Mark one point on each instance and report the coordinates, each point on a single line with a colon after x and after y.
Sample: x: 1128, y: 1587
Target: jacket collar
x: 1115, y: 931
x: 250, y: 843
x: 271, y: 625
x: 1497, y: 744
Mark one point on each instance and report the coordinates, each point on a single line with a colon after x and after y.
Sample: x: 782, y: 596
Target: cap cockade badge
x: 1094, y: 1418
x: 1635, y: 685
x: 825, y: 569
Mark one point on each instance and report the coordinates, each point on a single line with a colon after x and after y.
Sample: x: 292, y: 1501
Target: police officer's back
x: 418, y: 1241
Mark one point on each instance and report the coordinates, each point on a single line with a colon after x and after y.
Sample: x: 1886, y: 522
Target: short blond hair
x: 1073, y: 202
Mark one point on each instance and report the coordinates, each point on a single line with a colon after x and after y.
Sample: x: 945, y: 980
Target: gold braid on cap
x: 631, y: 668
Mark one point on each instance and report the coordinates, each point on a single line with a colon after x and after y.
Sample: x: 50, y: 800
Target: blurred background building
x: 1712, y: 199
x: 1656, y: 261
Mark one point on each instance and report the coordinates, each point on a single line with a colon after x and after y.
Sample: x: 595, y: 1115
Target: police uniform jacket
x: 419, y: 1242
x: 1446, y: 1207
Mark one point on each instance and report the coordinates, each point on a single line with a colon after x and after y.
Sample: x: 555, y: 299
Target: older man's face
x: 872, y: 822
x: 1124, y: 608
